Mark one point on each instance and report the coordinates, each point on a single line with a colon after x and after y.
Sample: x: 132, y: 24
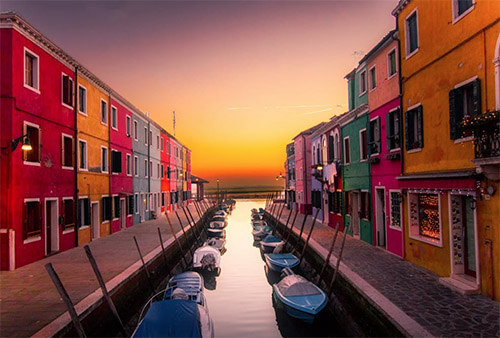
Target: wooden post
x: 196, y: 206
x: 177, y: 240
x: 339, y: 258
x: 184, y: 232
x: 286, y: 225
x: 193, y: 228
x: 301, y: 231
x: 145, y: 268
x: 65, y: 297
x: 309, y: 236
x: 279, y: 215
x: 104, y: 289
x: 327, y: 260
x: 163, y: 248
x: 291, y: 226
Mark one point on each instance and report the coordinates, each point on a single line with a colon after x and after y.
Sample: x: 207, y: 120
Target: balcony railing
x: 486, y: 130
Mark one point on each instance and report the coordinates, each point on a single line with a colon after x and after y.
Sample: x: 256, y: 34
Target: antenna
x: 356, y: 53
x: 174, y: 123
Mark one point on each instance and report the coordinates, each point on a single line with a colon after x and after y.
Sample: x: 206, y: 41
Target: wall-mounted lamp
x: 473, y: 203
x: 26, y: 143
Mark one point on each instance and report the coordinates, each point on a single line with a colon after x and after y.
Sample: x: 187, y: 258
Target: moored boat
x: 279, y: 261
x: 219, y: 233
x: 271, y: 243
x: 259, y: 232
x: 218, y: 243
x: 206, y: 258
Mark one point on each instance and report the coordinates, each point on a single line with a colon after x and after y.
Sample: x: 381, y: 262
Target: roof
x: 197, y: 179
x: 380, y: 44
x: 334, y: 120
x: 400, y: 6
x: 352, y: 114
x: 310, y: 130
x: 350, y: 75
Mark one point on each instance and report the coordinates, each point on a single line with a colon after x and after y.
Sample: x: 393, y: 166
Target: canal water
x: 240, y: 299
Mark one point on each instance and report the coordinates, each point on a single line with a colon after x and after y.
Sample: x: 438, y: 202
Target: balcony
x: 486, y: 131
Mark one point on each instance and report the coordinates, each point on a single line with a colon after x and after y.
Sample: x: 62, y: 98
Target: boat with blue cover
x: 301, y: 298
x: 279, y: 261
x: 271, y: 243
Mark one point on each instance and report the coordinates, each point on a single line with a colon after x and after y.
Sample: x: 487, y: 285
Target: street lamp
x: 218, y: 201
x: 26, y: 143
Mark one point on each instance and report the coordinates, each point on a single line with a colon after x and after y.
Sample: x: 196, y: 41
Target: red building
x: 121, y: 182
x: 37, y: 190
x: 165, y: 171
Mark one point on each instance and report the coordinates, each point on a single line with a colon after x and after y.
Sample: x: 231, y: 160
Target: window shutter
x: 420, y: 126
x: 476, y: 91
x: 452, y: 95
x: 408, y: 120
x: 389, y: 132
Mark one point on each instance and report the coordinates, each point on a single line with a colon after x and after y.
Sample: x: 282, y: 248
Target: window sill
x: 104, y: 123
x: 412, y: 53
x: 362, y: 93
x: 395, y: 150
x: 32, y: 239
x: 68, y: 231
x: 427, y: 240
x: 464, y: 139
x: 416, y: 150
x: 393, y: 75
x: 35, y: 164
x: 395, y: 228
x: 32, y: 88
x: 461, y: 16
x: 83, y: 169
x: 130, y: 215
x: 107, y: 221
x: 67, y: 106
x: 67, y: 168
x: 83, y: 227
x: 82, y: 113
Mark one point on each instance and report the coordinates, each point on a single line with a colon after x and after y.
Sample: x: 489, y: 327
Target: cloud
x: 317, y: 111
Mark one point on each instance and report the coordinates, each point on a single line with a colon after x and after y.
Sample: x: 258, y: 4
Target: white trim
x: 100, y: 112
x: 135, y: 129
x: 361, y: 146
x: 32, y: 239
x: 413, y: 106
x: 344, y: 150
x: 400, y: 229
x: 37, y: 238
x: 384, y: 219
x: 464, y: 139
x: 65, y: 232
x: 63, y: 135
x: 56, y: 246
x: 113, y: 207
x: 496, y: 62
x: 37, y: 88
x: 424, y: 239
x: 465, y: 82
x: 380, y: 136
x: 369, y: 78
x: 86, y: 156
x: 407, y: 40
x: 116, y: 110
x: 395, y: 50
x: 361, y: 93
x: 128, y: 123
x: 454, y: 11
x: 128, y: 161
x: 62, y: 88
x: 107, y: 160
x: 415, y: 150
x: 84, y: 113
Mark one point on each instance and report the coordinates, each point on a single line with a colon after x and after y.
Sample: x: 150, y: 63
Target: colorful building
x: 449, y: 70
x: 384, y: 138
x: 165, y: 164
x: 317, y: 146
x: 37, y: 190
x: 140, y: 148
x: 290, y: 175
x: 155, y: 168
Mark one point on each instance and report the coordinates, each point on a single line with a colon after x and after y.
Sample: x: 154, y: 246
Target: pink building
x: 37, y: 190
x: 121, y: 181
x: 303, y: 162
x: 384, y: 139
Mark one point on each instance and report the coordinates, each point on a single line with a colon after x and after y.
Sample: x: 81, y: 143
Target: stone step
x: 461, y: 286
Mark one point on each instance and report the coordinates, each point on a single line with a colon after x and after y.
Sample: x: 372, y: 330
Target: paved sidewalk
x: 416, y: 291
x: 29, y: 301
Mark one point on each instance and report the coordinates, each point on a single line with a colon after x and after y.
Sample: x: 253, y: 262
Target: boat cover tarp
x: 271, y: 239
x: 296, y: 285
x: 170, y: 318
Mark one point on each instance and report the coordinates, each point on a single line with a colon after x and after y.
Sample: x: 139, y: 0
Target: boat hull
x: 294, y: 311
x: 278, y: 265
x: 269, y: 247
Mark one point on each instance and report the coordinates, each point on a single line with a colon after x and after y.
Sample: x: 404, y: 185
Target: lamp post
x: 218, y: 198
x: 284, y: 178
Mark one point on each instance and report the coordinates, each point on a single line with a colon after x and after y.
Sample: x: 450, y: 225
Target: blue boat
x: 301, y: 298
x: 271, y: 243
x: 190, y: 282
x: 279, y: 261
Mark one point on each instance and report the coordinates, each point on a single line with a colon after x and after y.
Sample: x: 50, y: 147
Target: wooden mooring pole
x: 339, y: 258
x: 192, y: 226
x: 291, y: 225
x: 144, y: 266
x: 286, y: 225
x: 67, y: 301
x: 163, y: 248
x: 309, y: 236
x: 104, y: 289
x: 184, y: 232
x: 177, y: 240
x: 327, y: 259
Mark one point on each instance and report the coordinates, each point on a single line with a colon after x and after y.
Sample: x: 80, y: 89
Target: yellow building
x: 94, y: 199
x: 449, y: 52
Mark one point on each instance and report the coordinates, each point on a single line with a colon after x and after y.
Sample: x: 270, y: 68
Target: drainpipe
x: 109, y: 162
x: 305, y: 169
x: 75, y: 164
x: 149, y: 167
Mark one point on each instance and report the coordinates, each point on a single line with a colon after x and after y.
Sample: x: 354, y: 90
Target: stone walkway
x: 29, y: 301
x: 416, y: 291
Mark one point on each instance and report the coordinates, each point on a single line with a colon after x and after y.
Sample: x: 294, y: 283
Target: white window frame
x: 63, y: 74
x: 64, y: 232
x: 100, y: 112
x: 361, y: 146
x: 380, y: 135
x: 107, y: 160
x: 400, y: 132
x: 84, y: 112
x: 63, y: 135
x: 113, y: 208
x: 136, y: 203
x: 400, y: 229
x: 37, y: 88
x: 407, y: 36
x: 158, y: 141
x: 162, y: 144
x: 25, y: 131
x: 86, y: 155
x: 146, y: 168
x: 388, y: 59
x: 128, y: 125
x: 116, y: 119
x: 128, y: 164
x: 37, y: 238
x: 136, y: 166
x: 146, y: 137
x: 411, y: 227
x: 344, y: 149
x: 135, y: 130
x: 370, y: 89
x: 454, y: 11
x: 362, y: 74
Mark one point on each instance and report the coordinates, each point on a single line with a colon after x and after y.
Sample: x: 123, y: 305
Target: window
x: 31, y: 70
x: 465, y: 102
x: 67, y: 151
x: 135, y: 130
x: 158, y: 170
x: 157, y: 141
x: 106, y: 209
x: 32, y: 219
x: 348, y: 202
x: 104, y: 112
x: 414, y: 128
x: 104, y: 160
x: 150, y: 138
x: 316, y: 199
x: 127, y: 125
x: 82, y: 100
x: 168, y: 172
x: 162, y: 143
x: 373, y: 78
x: 116, y: 207
x: 374, y: 142
x: 146, y: 170
x: 331, y: 149
x: 136, y: 166
x: 34, y: 136
x: 347, y: 151
x: 395, y: 199
x: 461, y: 7
x: 151, y: 169
x: 153, y: 204
x: 365, y: 205
x: 335, y: 202
x: 130, y: 204
x: 82, y: 150
x: 168, y: 147
x: 162, y: 171
x: 116, y: 161
x: 114, y: 118
x: 67, y: 90
x: 83, y: 212
x: 392, y: 129
x: 163, y: 194
x: 392, y: 67
x: 425, y: 218
x: 362, y: 82
x: 68, y: 217
x: 363, y: 153
x: 146, y: 135
x: 128, y: 163
x: 136, y: 205
x: 411, y: 32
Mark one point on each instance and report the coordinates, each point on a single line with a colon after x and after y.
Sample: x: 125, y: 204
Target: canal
x: 240, y: 299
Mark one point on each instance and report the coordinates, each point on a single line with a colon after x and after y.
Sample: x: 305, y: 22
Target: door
x: 94, y: 220
x: 122, y: 213
x: 355, y: 214
x: 51, y: 226
x: 326, y: 212
x: 469, y: 237
x: 380, y: 217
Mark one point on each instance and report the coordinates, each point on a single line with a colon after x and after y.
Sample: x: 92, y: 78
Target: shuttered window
x: 34, y: 136
x: 363, y: 146
x: 392, y: 129
x: 414, y: 128
x: 83, y: 212
x: 374, y: 137
x: 465, y: 102
x: 365, y: 205
x: 104, y: 112
x: 106, y: 208
x: 32, y: 219
x: 412, y: 33
x: 67, y: 151
x: 114, y: 118
x: 67, y: 90
x: 68, y: 214
x: 104, y: 160
x: 31, y: 65
x: 116, y: 206
x: 116, y: 161
x: 130, y: 204
x: 82, y: 100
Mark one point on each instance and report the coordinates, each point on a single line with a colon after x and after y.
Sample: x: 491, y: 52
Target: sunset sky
x: 244, y: 77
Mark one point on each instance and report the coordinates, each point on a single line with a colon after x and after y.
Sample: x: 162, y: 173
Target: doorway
x: 355, y: 214
x: 142, y: 207
x: 380, y: 216
x: 122, y: 213
x: 51, y: 226
x: 94, y: 223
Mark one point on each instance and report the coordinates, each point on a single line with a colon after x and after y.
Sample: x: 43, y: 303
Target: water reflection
x: 209, y: 279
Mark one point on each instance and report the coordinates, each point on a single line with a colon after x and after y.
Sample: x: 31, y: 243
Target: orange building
x: 449, y: 68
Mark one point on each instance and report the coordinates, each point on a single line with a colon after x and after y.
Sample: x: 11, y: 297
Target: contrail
x: 318, y: 111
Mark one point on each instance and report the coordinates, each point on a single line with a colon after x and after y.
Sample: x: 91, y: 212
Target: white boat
x: 218, y: 243
x: 206, y: 258
x: 217, y: 225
